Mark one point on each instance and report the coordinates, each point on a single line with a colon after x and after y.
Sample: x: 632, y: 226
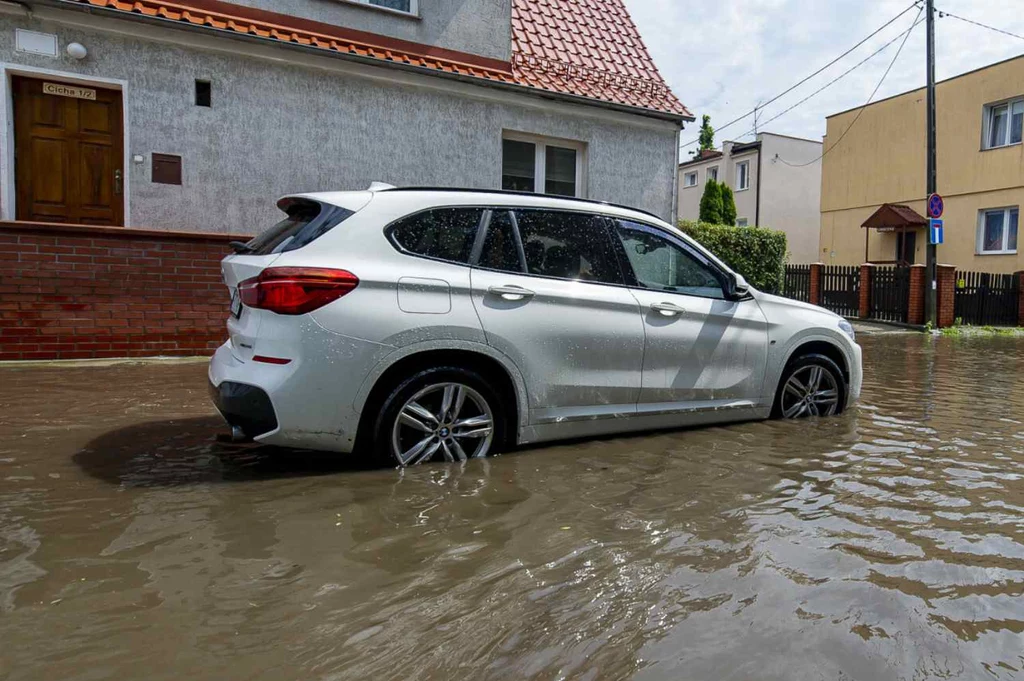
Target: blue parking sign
x: 935, y: 232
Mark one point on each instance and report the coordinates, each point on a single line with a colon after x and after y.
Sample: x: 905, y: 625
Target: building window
x: 742, y: 176
x: 204, y: 93
x: 713, y: 173
x: 997, y: 230
x: 1004, y: 124
x: 407, y: 6
x: 741, y: 222
x: 690, y: 179
x: 533, y: 164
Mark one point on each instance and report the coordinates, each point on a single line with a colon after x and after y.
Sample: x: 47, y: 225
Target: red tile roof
x: 588, y: 48
x: 891, y: 215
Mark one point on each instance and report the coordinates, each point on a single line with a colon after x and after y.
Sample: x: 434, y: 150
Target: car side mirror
x: 738, y: 287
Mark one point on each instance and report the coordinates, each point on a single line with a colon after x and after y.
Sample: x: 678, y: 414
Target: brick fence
x: 76, y: 292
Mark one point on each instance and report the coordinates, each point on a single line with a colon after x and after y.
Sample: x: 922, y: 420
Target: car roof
x: 486, y: 197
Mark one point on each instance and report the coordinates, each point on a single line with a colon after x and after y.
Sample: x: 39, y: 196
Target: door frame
x: 8, y: 200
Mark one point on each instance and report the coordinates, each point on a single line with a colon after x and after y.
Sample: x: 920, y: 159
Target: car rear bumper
x: 245, y: 407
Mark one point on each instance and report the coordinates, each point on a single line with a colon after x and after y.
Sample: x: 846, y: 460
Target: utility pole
x: 931, y: 298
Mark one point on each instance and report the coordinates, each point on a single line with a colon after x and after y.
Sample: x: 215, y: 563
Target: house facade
x: 197, y: 115
x: 776, y: 182
x: 980, y: 171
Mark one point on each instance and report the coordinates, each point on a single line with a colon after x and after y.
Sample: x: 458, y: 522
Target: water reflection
x: 882, y: 544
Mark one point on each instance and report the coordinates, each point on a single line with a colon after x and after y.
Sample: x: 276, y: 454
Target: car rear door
x: 548, y: 288
x: 702, y: 352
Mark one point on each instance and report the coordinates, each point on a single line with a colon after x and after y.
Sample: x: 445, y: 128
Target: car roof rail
x: 509, y: 192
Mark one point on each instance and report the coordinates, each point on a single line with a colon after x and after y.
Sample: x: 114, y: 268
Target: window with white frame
x: 997, y: 230
x: 742, y: 176
x: 713, y: 173
x: 741, y: 222
x: 543, y: 166
x: 407, y: 6
x: 1004, y: 124
x: 690, y: 179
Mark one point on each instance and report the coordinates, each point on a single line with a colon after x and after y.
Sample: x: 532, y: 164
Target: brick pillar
x: 915, y: 304
x: 865, y: 290
x: 1020, y: 298
x: 946, y: 295
x: 816, y: 269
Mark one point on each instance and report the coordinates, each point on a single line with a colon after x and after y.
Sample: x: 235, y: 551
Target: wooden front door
x: 69, y: 160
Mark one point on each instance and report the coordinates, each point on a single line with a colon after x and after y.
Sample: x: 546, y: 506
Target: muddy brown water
x: 883, y: 544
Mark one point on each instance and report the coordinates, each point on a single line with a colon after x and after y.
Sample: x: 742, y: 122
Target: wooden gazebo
x: 893, y: 217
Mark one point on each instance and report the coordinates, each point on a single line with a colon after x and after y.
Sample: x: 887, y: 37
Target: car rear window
x: 306, y: 221
x: 442, y: 233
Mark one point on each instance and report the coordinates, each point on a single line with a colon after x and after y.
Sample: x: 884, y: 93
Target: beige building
x: 776, y: 181
x: 980, y: 169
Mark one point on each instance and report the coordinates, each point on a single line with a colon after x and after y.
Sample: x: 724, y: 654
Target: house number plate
x: 62, y: 90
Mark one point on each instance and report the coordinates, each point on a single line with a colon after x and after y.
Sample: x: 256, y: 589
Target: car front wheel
x: 440, y: 414
x: 812, y: 385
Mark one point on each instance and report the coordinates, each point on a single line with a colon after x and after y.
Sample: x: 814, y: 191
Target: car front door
x: 549, y: 290
x: 703, y: 352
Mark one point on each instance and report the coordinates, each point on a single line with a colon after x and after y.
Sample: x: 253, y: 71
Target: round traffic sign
x: 935, y: 206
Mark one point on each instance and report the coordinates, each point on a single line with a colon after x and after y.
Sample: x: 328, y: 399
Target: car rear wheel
x: 441, y: 414
x: 812, y: 385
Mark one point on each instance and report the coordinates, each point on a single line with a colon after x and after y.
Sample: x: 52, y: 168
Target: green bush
x: 711, y: 203
x: 728, y: 205
x: 758, y: 254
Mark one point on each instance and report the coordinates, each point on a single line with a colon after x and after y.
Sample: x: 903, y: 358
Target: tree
x: 711, y: 204
x: 706, y: 139
x: 728, y: 206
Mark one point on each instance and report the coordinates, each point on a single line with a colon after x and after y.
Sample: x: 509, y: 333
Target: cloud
x: 724, y: 58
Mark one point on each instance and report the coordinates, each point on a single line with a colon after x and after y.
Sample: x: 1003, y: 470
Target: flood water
x: 887, y: 543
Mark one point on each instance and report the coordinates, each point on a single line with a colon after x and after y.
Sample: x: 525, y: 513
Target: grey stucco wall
x: 481, y: 27
x: 276, y: 129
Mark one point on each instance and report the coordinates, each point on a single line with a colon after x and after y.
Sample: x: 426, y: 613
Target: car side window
x: 500, y: 251
x: 568, y: 245
x: 662, y: 265
x: 443, y: 233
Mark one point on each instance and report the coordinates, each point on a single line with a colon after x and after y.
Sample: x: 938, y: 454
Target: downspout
x: 675, y: 181
x: 757, y: 197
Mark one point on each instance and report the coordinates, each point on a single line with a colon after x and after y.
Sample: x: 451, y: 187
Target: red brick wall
x: 75, y: 292
x: 918, y: 291
x: 866, y: 278
x: 946, y: 295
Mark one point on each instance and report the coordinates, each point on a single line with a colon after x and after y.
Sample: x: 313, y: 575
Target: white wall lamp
x: 77, y: 51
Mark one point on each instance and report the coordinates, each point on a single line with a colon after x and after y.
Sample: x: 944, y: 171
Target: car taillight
x: 295, y: 290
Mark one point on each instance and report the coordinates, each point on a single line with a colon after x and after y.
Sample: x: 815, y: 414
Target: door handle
x: 118, y: 182
x: 668, y: 309
x: 512, y: 293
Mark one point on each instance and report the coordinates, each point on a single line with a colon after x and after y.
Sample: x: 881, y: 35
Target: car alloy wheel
x: 450, y: 420
x: 810, y: 391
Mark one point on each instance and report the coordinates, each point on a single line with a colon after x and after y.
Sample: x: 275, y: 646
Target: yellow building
x: 881, y: 159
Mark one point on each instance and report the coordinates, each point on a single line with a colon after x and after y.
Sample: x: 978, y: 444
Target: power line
x: 944, y: 13
x: 885, y: 75
x: 818, y: 72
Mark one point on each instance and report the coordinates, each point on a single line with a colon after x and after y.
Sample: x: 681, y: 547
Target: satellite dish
x: 380, y: 186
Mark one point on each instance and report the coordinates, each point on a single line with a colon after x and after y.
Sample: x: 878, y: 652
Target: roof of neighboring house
x: 706, y: 155
x: 894, y: 215
x: 583, y: 48
x: 743, y: 147
x: 590, y: 48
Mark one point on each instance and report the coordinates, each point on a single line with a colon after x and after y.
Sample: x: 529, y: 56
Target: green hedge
x: 758, y: 254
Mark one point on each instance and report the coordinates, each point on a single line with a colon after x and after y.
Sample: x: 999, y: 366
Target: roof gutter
x: 369, y: 61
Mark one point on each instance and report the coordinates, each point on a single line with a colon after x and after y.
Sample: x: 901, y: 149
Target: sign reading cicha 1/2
x: 62, y: 90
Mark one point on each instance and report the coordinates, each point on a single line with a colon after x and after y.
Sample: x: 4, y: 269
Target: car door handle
x: 668, y: 309
x: 511, y: 292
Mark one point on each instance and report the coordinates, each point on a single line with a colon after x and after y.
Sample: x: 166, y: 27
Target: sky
x: 724, y: 57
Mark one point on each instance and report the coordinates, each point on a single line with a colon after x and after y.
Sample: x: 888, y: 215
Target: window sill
x: 743, y: 190
x: 386, y: 10
x: 996, y: 253
x: 1002, y: 146
x: 689, y: 186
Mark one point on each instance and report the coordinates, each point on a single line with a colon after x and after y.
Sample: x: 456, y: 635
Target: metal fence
x: 840, y: 289
x: 987, y: 299
x: 890, y: 294
x: 797, y: 282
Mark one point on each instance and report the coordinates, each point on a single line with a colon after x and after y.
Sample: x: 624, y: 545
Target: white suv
x: 427, y: 324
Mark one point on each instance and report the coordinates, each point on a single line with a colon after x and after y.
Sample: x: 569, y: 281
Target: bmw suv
x: 433, y: 324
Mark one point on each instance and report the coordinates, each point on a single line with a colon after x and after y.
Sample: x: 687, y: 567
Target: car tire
x: 811, y: 385
x: 414, y: 427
